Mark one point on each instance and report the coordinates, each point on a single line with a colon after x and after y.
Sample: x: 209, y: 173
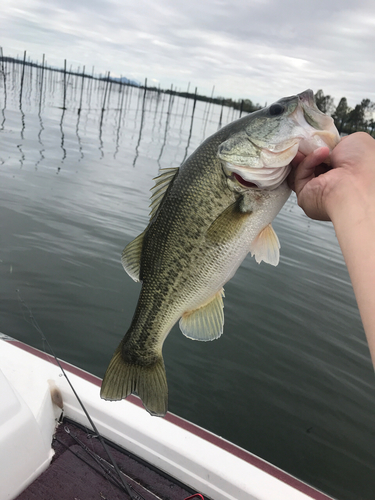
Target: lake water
x: 291, y: 378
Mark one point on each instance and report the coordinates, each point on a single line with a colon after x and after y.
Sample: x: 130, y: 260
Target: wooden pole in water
x: 241, y: 108
x: 185, y: 103
x: 41, y: 84
x: 3, y: 70
x: 191, y: 125
x: 141, y: 125
x: 208, y: 111
x: 90, y: 84
x: 31, y: 79
x: 11, y: 72
x: 50, y: 75
x: 221, y: 114
x: 83, y: 81
x: 109, y: 94
x: 56, y: 79
x: 122, y: 96
x: 144, y: 94
x: 105, y: 91
x: 69, y: 76
x: 2, y: 62
x: 22, y: 76
x: 171, y: 98
x: 120, y: 89
x: 64, y: 98
x: 129, y: 91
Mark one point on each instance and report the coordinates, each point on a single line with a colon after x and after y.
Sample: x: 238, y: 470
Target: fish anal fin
x: 162, y: 182
x: 149, y: 382
x: 206, y: 322
x: 266, y: 246
x: 131, y: 257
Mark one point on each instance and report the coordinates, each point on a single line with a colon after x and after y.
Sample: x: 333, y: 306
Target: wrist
x: 350, y: 204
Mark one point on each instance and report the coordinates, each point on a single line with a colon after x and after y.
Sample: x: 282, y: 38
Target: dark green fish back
x: 179, y: 260
x: 173, y: 248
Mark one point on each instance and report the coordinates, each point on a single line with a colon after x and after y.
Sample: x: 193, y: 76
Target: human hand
x: 349, y: 181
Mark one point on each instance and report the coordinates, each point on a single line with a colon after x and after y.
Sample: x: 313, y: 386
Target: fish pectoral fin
x: 131, y: 257
x: 228, y: 223
x: 205, y: 322
x: 266, y: 246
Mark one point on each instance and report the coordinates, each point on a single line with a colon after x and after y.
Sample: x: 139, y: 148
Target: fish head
x: 258, y: 151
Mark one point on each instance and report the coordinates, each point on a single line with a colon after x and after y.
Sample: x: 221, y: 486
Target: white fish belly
x: 227, y: 260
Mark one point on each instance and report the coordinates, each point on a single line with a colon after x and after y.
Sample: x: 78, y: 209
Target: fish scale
x: 205, y: 217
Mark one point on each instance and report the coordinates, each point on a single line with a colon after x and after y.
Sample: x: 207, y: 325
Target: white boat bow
x: 205, y: 462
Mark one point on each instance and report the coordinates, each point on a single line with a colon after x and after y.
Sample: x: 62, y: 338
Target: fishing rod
x: 120, y: 483
x: 35, y: 324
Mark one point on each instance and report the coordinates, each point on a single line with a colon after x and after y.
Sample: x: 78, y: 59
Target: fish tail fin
x: 148, y: 382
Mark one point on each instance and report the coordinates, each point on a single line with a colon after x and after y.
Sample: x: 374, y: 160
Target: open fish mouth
x: 259, y: 156
x: 268, y: 174
x: 271, y: 177
x: 259, y: 178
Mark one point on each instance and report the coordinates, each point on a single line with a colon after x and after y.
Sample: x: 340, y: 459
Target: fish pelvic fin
x: 149, y: 382
x: 266, y: 246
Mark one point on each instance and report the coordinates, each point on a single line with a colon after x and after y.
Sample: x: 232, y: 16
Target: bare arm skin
x: 345, y: 194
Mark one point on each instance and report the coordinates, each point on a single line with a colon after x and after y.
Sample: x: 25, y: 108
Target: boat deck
x: 82, y: 470
x: 158, y: 458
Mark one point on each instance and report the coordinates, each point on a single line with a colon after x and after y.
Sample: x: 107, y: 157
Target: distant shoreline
x: 347, y: 120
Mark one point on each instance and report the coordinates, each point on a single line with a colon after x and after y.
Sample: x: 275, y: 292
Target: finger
x: 305, y: 171
x: 297, y: 159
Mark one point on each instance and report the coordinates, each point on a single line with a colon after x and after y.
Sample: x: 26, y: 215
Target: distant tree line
x: 347, y: 119
x: 244, y: 105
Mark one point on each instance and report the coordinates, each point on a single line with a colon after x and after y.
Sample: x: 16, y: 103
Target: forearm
x: 355, y: 230
x: 345, y: 194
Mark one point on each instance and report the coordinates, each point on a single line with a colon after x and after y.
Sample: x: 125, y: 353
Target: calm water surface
x: 291, y: 378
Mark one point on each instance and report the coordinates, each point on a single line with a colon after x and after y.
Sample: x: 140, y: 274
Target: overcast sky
x: 256, y: 49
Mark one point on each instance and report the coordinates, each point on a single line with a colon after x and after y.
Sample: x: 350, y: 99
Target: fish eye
x: 276, y: 109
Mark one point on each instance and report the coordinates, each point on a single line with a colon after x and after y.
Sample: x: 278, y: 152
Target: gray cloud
x: 260, y: 50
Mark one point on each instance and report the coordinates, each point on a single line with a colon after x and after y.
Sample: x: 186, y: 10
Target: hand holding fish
x: 345, y: 194
x: 305, y: 180
x: 349, y: 174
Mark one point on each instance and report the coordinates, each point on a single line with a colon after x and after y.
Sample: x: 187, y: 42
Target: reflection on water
x: 123, y: 116
x: 291, y: 378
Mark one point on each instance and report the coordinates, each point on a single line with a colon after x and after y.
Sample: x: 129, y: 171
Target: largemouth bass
x: 206, y: 216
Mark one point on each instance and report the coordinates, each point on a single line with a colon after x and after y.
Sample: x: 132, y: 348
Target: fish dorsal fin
x: 131, y: 257
x: 207, y: 321
x: 266, y: 246
x: 162, y: 183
